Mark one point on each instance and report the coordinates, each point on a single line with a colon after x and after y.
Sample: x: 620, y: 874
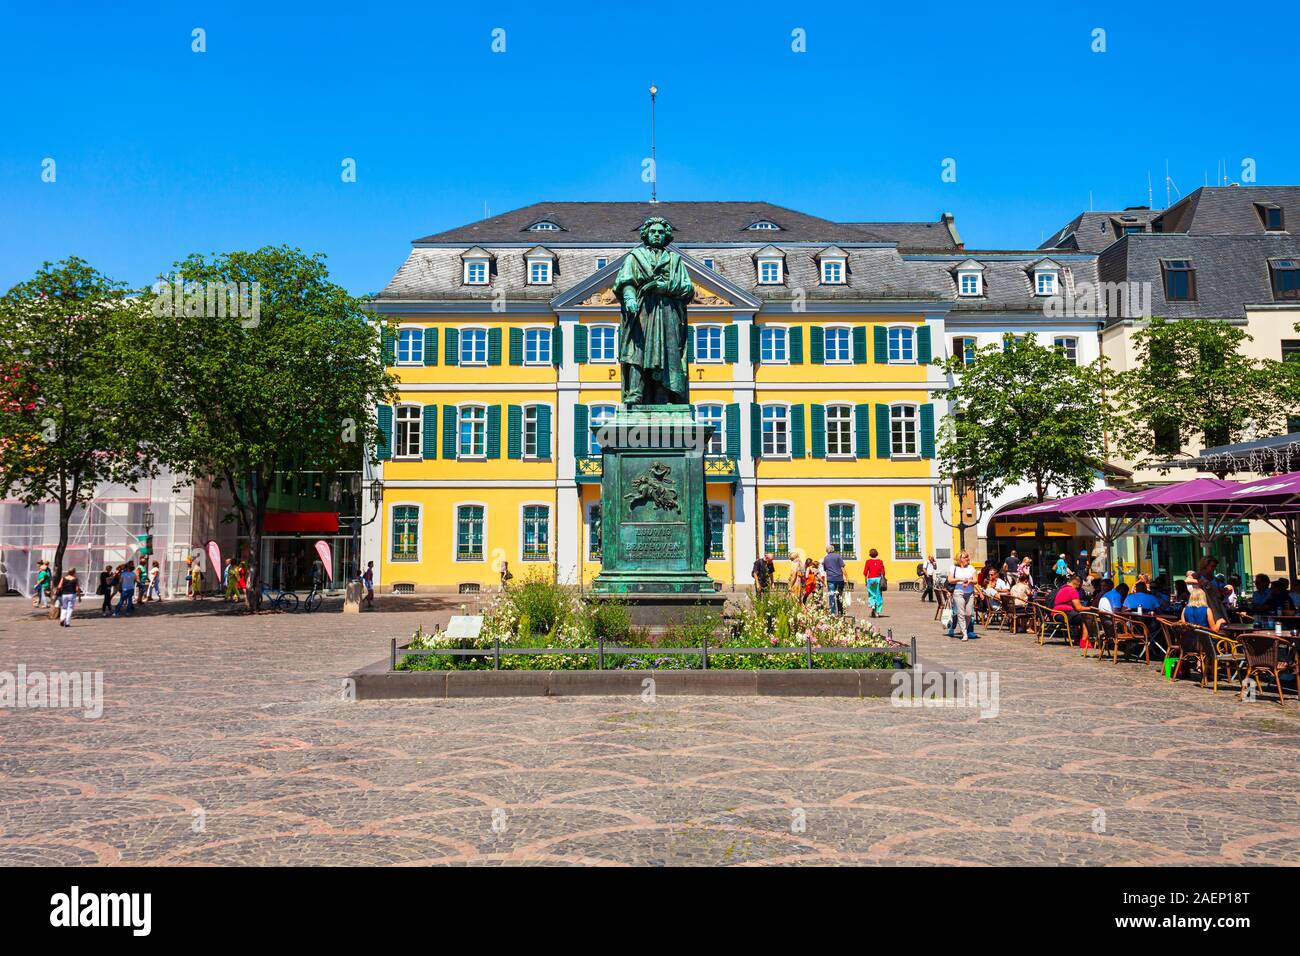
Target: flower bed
x: 543, y: 615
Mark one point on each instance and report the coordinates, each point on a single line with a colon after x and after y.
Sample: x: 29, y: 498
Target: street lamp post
x: 377, y: 499
x: 962, y: 486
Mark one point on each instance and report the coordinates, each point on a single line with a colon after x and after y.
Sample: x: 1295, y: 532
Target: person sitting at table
x: 1113, y: 598
x: 1198, y: 611
x: 1282, y: 596
x: 994, y: 588
x: 1180, y: 592
x: 1069, y: 600
x: 1021, y: 590
x: 1160, y: 588
x: 1142, y: 599
x: 1263, y: 602
x: 1294, y: 594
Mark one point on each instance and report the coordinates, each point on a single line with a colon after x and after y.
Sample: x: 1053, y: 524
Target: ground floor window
x: 537, y: 533
x: 907, y: 532
x: 593, y: 533
x: 776, y: 530
x: 841, y: 518
x: 406, y: 533
x: 469, y: 533
x: 717, y: 532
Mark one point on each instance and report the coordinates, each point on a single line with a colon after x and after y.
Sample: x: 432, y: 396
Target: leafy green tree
x: 1023, y: 412
x: 1192, y: 383
x: 67, y: 421
x: 291, y: 374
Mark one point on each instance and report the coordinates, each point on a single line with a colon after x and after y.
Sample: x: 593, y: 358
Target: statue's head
x: 656, y: 232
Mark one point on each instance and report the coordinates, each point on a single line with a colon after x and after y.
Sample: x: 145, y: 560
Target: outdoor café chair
x: 1213, y: 652
x: 1053, y: 625
x: 1264, y: 656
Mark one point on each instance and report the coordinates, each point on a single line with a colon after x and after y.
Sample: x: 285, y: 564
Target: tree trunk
x: 256, y: 520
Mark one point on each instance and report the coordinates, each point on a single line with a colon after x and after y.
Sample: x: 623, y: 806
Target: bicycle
x: 312, y: 601
x: 280, y: 600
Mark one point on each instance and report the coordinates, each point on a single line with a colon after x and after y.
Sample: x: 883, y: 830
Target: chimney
x: 951, y: 225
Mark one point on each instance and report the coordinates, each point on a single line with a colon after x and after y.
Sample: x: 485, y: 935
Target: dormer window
x: 1271, y: 215
x: 1045, y: 282
x: 970, y: 283
x: 1180, y: 280
x: 539, y: 272
x: 764, y: 225
x: 478, y: 267
x: 601, y: 262
x: 770, y: 271
x: 1286, y: 278
x: 708, y: 264
x: 832, y: 272
x: 544, y: 225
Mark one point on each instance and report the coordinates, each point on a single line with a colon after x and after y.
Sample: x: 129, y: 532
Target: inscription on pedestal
x: 662, y: 541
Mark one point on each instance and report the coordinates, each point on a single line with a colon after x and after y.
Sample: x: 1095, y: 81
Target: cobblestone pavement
x: 225, y: 740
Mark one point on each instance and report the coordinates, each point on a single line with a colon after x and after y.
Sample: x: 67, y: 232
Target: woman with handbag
x: 874, y: 572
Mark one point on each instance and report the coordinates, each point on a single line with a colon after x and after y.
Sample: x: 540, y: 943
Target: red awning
x: 302, y: 522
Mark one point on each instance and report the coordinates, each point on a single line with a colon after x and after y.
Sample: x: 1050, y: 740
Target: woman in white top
x: 962, y: 578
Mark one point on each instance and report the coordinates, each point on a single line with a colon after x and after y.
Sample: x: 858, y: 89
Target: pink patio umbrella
x: 1079, y: 509
x: 1274, y: 500
x: 1185, y: 503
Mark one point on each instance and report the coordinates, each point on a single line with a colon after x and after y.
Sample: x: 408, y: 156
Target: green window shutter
x: 797, y: 449
x: 817, y: 345
x: 755, y: 430
x: 860, y: 345
x: 449, y: 431
x: 494, y: 431
x: 882, y: 431
x: 581, y: 434
x: 731, y: 343
x: 386, y: 346
x: 927, y: 431
x: 557, y: 346
x: 430, y: 346
x: 494, y: 346
x: 796, y: 345
x: 429, y: 425
x: 733, y: 430
x: 384, y: 440
x: 923, y: 352
x: 862, y: 430
x: 819, y: 431
x: 514, y: 430
x: 690, y: 344
x: 516, y: 346
x: 451, y: 341
x: 580, y: 343
x: 544, y: 432
x: 754, y: 352
x: 881, y: 335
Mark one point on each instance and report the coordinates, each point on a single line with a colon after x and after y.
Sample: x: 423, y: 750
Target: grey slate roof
x: 938, y: 236
x: 1230, y: 210
x: 1094, y: 231
x: 618, y: 222
x: 1231, y: 271
x: 1008, y: 279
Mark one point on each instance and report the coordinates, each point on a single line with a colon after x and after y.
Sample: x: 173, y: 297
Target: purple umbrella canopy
x: 1277, y: 490
x: 1159, y: 500
x: 1065, y: 506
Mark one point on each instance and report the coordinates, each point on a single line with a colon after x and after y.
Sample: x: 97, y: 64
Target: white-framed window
x: 839, y: 431
x: 410, y: 346
x: 1068, y: 346
x: 964, y: 346
x: 404, y: 540
x: 778, y: 531
x: 774, y: 344
x: 907, y: 530
x: 832, y: 272
x: 842, y: 528
x: 471, y: 521
x: 717, y: 531
x: 708, y: 264
x: 838, y: 345
x: 1045, y: 282
x: 407, y: 431
x: 535, y: 533
x: 539, y: 271
x: 902, y: 344
x: 764, y: 225
x: 473, y: 346
x: 712, y: 414
x: 970, y: 283
x: 602, y: 343
x: 903, y: 442
x: 537, y: 346
x: 770, y: 271
x: 708, y: 343
x: 776, y: 431
x: 476, y: 272
x: 471, y: 431
x: 528, y: 428
x: 544, y: 226
x: 598, y: 415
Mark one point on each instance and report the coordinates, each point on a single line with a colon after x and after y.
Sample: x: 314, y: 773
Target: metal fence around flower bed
x: 808, y: 649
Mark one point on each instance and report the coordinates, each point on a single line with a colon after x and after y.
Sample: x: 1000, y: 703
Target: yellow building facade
x: 822, y: 398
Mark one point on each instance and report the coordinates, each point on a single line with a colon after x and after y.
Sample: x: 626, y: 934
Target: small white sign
x: 465, y: 625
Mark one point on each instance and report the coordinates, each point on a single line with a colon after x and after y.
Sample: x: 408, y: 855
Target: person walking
x: 196, y: 580
x: 809, y: 579
x: 1061, y: 571
x: 127, y: 580
x: 796, y: 577
x: 762, y: 573
x: 369, y: 579
x: 241, y: 582
x: 833, y: 566
x: 506, y: 575
x: 106, y: 590
x: 874, y: 572
x: 962, y: 577
x: 229, y: 583
x: 928, y: 575
x: 69, y: 595
x: 41, y: 595
x: 155, y: 582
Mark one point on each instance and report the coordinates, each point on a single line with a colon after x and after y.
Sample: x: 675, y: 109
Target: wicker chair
x: 1052, y: 624
x: 1264, y: 656
x: 1018, y: 616
x: 1118, y: 631
x: 1212, y: 652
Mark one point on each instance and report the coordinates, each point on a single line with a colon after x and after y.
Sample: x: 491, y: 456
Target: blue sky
x: 161, y: 151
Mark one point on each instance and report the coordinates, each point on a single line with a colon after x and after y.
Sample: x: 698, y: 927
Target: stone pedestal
x: 352, y: 595
x: 654, y: 520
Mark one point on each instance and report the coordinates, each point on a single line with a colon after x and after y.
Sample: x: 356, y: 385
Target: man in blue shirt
x: 1142, y: 599
x: 1113, y: 599
x: 833, y: 566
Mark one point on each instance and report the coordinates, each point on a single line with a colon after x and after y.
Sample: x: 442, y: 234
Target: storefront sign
x: 1029, y: 529
x: 1173, y: 528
